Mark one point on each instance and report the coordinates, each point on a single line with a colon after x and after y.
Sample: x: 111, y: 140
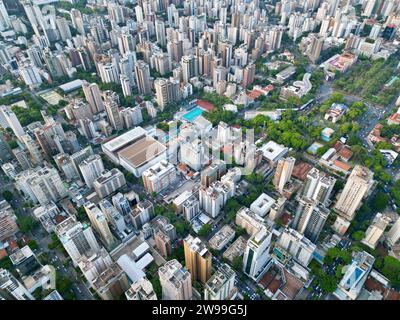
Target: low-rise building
x: 222, y: 238
x: 236, y: 249
x: 262, y: 205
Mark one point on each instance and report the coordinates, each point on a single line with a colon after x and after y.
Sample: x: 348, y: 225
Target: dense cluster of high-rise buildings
x: 137, y: 135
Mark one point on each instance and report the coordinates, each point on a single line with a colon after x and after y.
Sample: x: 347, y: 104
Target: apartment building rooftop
x: 236, y: 249
x: 222, y: 238
x: 195, y: 244
x: 219, y: 278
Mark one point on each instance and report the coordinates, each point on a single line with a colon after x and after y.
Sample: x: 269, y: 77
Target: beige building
x: 109, y: 182
x: 163, y: 243
x: 394, y: 233
x: 249, y: 221
x: 112, y: 283
x: 356, y: 188
x: 375, y: 231
x: 283, y: 172
x: 159, y: 176
x: 175, y: 281
x: 8, y: 225
x: 141, y: 290
x: 99, y: 222
x: 197, y: 259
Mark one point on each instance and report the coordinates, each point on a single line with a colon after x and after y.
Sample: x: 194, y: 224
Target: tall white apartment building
x: 283, y: 172
x: 256, y: 256
x: 12, y: 288
x: 167, y: 91
x: 297, y: 245
x: 80, y: 156
x: 77, y: 238
x: 191, y: 208
x: 94, y: 265
x: 99, y: 222
x: 175, y: 281
x: 318, y: 186
x: 355, y: 276
x: 160, y: 33
x: 141, y: 290
x: 213, y: 198
x: 33, y: 149
x: 224, y: 133
x: 91, y: 168
x: 249, y: 221
x: 113, y: 216
x: 109, y: 182
x: 131, y: 117
x: 357, y: 187
x: 310, y: 218
x: 393, y: 235
x: 42, y: 184
x: 93, y: 96
x: 8, y: 118
x: 109, y: 72
x: 192, y: 154
x: 159, y: 176
x: 30, y: 75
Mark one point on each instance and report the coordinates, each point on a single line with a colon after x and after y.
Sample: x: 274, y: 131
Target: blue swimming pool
x: 193, y: 114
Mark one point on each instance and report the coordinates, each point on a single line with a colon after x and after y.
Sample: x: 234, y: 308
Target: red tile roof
x: 208, y: 106
x: 346, y: 153
x: 254, y: 94
x: 341, y: 165
x: 300, y: 170
x: 338, y: 145
x: 3, y: 253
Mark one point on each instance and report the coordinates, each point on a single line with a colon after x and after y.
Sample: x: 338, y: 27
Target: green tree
x: 380, y: 201
x: 33, y: 244
x: 6, y: 263
x: 26, y: 223
x: 156, y: 286
x: 55, y: 242
x: 358, y: 235
x: 8, y: 195
x: 391, y: 269
x: 204, y: 230
x: 240, y: 231
x: 13, y: 144
x: 81, y: 214
x: 327, y: 283
x: 237, y: 263
x: 182, y: 227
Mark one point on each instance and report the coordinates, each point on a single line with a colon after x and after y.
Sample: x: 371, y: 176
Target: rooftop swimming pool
x: 193, y: 114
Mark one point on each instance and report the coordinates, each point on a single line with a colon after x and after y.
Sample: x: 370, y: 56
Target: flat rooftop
x: 117, y: 143
x: 142, y: 151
